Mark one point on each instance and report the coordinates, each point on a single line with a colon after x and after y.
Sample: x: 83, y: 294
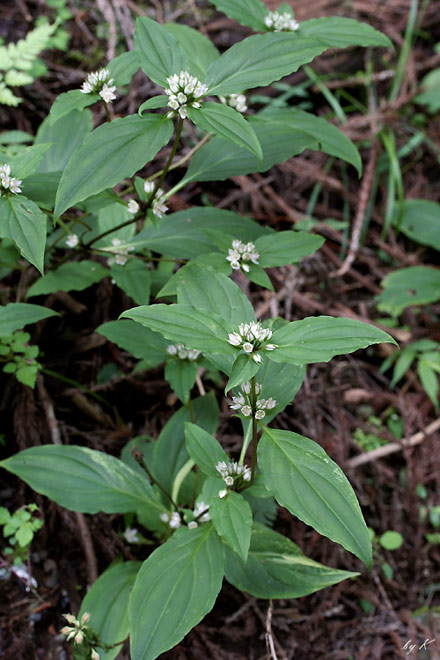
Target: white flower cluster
x: 243, y: 404
x: 182, y: 352
x: 175, y: 520
x: 72, y: 240
x: 132, y: 206
x: 237, y: 101
x: 281, y: 22
x: 158, y: 206
x: 252, y: 337
x: 100, y: 83
x: 120, y: 257
x: 184, y: 90
x: 76, y: 630
x: 131, y: 535
x: 8, y: 182
x: 230, y: 471
x: 240, y: 253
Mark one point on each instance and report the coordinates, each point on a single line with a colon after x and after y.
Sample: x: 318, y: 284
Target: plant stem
x: 171, y: 157
x: 138, y: 457
x: 107, y: 112
x: 191, y: 412
x: 254, y: 428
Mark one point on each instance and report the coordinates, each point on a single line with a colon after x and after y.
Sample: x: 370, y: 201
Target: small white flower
x: 229, y: 481
x: 85, y: 618
x: 175, y: 521
x: 193, y: 524
x: 108, y: 93
x: 132, y: 206
x: 149, y: 186
x: 72, y: 240
x: 246, y: 411
x: 222, y: 493
x: 240, y: 253
x: 131, y: 535
x: 79, y: 637
x: 120, y: 253
x: 164, y: 517
x: 184, y: 90
x: 8, y: 182
x: 94, y: 655
x: 199, y: 508
x: 281, y: 22
x: 260, y: 414
x: 182, y: 352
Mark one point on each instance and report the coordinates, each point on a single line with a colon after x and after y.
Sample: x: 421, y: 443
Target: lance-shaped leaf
x: 15, y: 316
x: 243, y: 369
x: 123, y: 67
x: 276, y: 568
x: 209, y: 291
x: 286, y: 247
x: 199, y: 50
x: 22, y: 221
x: 340, y: 32
x: 226, y: 122
x: 27, y: 160
x: 139, y: 341
x: 107, y: 601
x: 160, y: 55
x: 82, y: 479
x: 232, y: 519
x: 186, y: 325
x: 204, y: 449
x: 66, y: 135
x: 73, y: 276
x: 312, y: 487
x: 110, y: 153
x: 73, y: 100
x: 245, y: 12
x: 330, y: 139
x: 175, y: 588
x: 181, y: 375
x: 319, y: 338
x: 260, y: 60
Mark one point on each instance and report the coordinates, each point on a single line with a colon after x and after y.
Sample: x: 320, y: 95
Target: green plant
x: 389, y: 540
x: 429, y: 513
x: 209, y: 512
x: 20, y: 357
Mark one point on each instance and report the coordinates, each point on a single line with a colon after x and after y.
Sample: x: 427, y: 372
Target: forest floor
x: 374, y: 616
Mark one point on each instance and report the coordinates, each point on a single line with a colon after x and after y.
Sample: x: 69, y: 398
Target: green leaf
x: 330, y: 139
x: 110, y: 153
x: 141, y: 342
x: 175, y: 588
x: 22, y: 221
x: 134, y: 279
x: 209, y: 291
x: 429, y: 381
x: 243, y: 369
x: 27, y: 160
x: 24, y: 536
x: 232, y: 519
x: 42, y: 188
x: 391, y: 540
x: 82, y: 479
x: 199, y: 50
x: 430, y: 95
x: 181, y: 234
x: 159, y: 53
x: 286, y: 247
x: 319, y: 338
x: 339, y: 32
x: 170, y: 450
x: 66, y: 135
x: 259, y: 276
x: 403, y: 363
x: 107, y: 602
x: 181, y: 375
x: 27, y: 375
x: 186, y: 325
x: 227, y: 123
x: 276, y: 568
x: 15, y: 316
x: 71, y: 276
x: 123, y: 67
x: 204, y: 449
x: 312, y: 487
x: 73, y: 100
x: 245, y: 12
x: 260, y: 60
x: 415, y: 285
x: 420, y: 221
x: 155, y: 102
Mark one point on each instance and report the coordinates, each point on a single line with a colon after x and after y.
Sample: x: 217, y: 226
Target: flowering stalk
x: 253, y: 397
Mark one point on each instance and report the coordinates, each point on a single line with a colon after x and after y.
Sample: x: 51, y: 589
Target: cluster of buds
x: 78, y: 630
x: 232, y: 471
x: 243, y: 402
x: 120, y: 257
x: 184, y: 90
x: 182, y: 352
x: 240, y: 254
x: 72, y: 240
x: 100, y: 83
x: 236, y: 101
x: 132, y: 206
x: 158, y: 205
x: 251, y: 338
x: 200, y: 515
x: 277, y: 22
x: 8, y: 182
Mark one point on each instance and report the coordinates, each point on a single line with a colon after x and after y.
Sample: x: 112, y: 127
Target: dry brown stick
x: 269, y: 638
x: 393, y: 447
x: 86, y: 539
x: 107, y: 11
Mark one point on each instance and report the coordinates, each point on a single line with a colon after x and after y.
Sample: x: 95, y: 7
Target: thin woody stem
x: 138, y: 457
